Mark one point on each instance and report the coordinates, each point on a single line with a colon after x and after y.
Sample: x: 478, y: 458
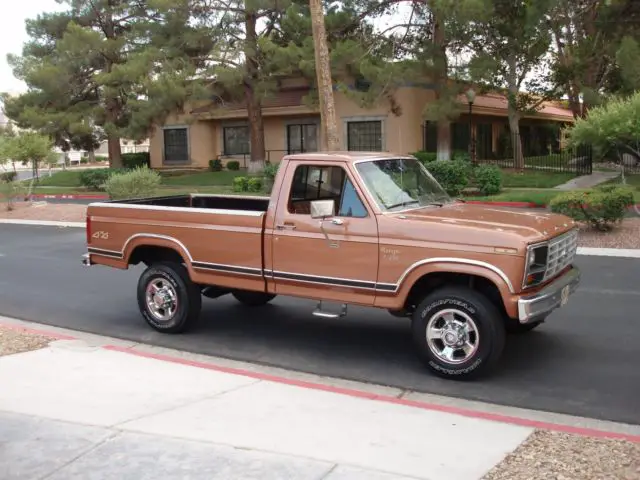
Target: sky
x: 14, y: 35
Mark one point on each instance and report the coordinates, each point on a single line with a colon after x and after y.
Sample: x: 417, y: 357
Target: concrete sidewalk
x: 91, y: 412
x: 78, y: 410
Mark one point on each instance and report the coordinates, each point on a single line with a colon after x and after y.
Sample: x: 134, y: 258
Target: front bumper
x: 555, y: 295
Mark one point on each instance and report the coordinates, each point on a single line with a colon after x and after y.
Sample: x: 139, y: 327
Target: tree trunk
x: 111, y: 103
x: 441, y: 76
x: 254, y: 107
x: 444, y: 140
x: 516, y: 141
x: 115, y: 153
x: 92, y: 156
x: 331, y: 138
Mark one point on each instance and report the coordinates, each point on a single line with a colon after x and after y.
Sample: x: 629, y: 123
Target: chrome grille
x: 562, y: 251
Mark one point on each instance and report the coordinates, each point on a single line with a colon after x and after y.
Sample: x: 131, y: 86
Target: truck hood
x: 527, y: 226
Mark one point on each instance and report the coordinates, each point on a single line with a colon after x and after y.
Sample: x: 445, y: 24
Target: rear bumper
x: 555, y: 295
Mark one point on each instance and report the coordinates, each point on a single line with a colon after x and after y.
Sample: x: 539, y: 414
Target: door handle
x: 286, y: 226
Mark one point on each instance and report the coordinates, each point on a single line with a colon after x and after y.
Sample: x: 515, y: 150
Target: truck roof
x: 343, y: 156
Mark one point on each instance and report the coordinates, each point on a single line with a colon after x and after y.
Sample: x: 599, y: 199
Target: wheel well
x: 435, y: 280
x: 148, y: 254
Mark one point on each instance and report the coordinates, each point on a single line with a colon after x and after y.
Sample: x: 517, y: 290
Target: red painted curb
x: 87, y: 196
x: 523, y: 422
x: 495, y: 417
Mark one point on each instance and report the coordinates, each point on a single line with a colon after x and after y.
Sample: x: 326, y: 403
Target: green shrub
x: 135, y: 160
x: 254, y: 184
x: 460, y: 156
x: 600, y: 207
x: 425, y: 157
x: 233, y: 165
x: 9, y: 190
x: 271, y: 170
x: 215, y: 165
x: 453, y: 176
x: 488, y: 179
x: 101, y: 158
x: 8, y: 176
x: 240, y: 184
x: 136, y: 183
x: 95, y: 179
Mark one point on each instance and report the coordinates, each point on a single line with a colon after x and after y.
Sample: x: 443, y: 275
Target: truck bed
x: 219, y: 237
x: 221, y: 202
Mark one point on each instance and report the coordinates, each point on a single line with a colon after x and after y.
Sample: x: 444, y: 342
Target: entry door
x: 342, y: 267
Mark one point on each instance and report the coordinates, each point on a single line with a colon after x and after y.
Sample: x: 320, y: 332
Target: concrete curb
x: 617, y: 430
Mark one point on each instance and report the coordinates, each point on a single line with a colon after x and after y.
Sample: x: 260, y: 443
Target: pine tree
x: 109, y: 66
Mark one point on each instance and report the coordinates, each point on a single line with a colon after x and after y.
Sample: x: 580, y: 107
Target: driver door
x: 339, y: 263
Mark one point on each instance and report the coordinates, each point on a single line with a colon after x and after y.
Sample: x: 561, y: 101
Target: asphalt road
x: 584, y: 361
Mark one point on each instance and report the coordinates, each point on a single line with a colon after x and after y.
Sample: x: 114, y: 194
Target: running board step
x: 318, y: 312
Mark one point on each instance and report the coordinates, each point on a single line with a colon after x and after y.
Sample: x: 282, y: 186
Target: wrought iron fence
x: 523, y: 152
x: 619, y: 159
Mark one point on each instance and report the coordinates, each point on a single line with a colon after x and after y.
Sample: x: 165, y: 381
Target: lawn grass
x: 71, y: 179
x: 534, y: 179
x: 65, y: 178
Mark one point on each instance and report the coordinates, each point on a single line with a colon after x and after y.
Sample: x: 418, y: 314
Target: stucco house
x: 220, y: 129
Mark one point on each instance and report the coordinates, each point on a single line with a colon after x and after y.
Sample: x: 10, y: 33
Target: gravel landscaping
x: 15, y: 341
x: 45, y: 211
x: 561, y: 456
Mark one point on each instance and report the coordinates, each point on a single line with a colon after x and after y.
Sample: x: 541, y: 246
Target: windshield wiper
x: 402, y: 204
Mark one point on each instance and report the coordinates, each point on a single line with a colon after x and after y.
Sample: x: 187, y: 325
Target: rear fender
x: 155, y: 240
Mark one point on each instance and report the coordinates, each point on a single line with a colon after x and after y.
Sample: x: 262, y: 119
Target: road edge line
x: 346, y: 391
x: 42, y: 223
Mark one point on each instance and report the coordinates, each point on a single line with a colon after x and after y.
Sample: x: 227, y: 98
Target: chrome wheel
x: 452, y: 336
x: 162, y: 299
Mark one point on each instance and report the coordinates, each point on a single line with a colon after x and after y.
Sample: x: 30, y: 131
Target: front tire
x: 458, y: 333
x: 167, y: 298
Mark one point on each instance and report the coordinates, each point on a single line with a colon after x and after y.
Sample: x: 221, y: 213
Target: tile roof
x: 291, y: 97
x: 499, y: 102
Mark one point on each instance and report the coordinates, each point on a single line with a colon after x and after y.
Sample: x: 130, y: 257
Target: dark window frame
x: 225, y: 148
x: 303, y: 148
x: 175, y: 156
x: 379, y: 132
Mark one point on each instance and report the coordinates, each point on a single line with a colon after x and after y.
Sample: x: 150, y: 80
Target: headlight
x: 536, y: 265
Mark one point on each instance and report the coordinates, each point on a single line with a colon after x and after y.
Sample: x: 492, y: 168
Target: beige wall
x: 401, y: 133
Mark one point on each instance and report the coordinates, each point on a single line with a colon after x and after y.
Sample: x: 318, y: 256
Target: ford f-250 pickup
x: 368, y: 229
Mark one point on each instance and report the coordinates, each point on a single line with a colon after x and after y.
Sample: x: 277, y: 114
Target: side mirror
x: 323, y: 209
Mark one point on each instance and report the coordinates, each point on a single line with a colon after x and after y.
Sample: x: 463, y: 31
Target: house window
x: 460, y: 137
x: 235, y: 140
x: 302, y: 138
x: 311, y: 182
x: 364, y: 136
x: 176, y: 145
x: 430, y: 137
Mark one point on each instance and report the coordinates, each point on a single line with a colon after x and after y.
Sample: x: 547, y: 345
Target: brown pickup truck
x: 368, y: 229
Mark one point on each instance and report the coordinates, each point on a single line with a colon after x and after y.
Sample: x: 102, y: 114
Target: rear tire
x: 458, y: 333
x: 167, y: 298
x: 252, y: 299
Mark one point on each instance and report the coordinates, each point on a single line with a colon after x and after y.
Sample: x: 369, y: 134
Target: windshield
x: 400, y: 183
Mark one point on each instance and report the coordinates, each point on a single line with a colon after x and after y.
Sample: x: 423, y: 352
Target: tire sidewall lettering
x: 477, y: 360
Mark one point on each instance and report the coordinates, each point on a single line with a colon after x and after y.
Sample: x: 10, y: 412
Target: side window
x: 315, y: 182
x: 351, y: 205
